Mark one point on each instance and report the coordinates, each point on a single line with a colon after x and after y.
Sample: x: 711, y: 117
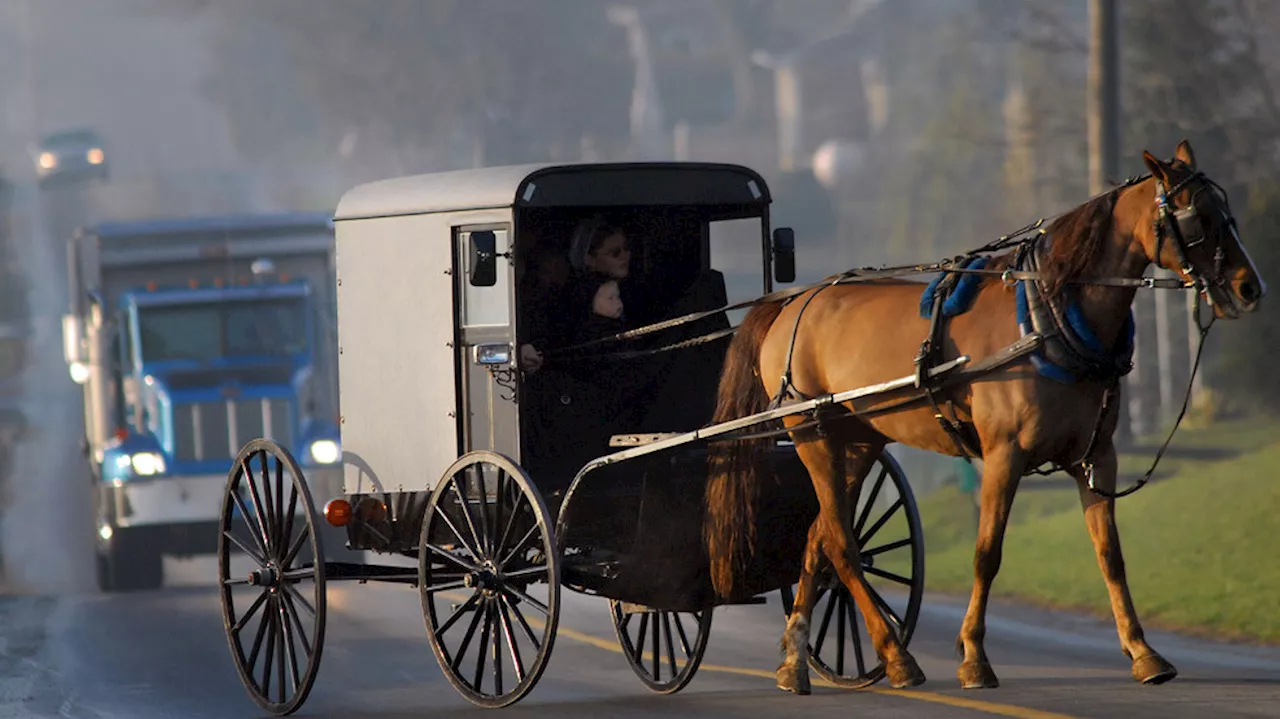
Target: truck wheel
x: 127, y: 564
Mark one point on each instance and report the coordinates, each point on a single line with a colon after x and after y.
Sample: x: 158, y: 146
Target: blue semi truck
x: 190, y: 337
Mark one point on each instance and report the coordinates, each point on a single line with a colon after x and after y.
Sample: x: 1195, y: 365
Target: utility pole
x: 1103, y: 109
x: 646, y: 105
x: 1104, y: 94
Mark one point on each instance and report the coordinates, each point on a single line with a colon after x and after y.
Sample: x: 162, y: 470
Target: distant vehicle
x: 70, y: 155
x: 190, y: 337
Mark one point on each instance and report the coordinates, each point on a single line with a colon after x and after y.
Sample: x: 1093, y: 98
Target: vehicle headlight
x: 48, y: 160
x: 146, y: 464
x: 95, y: 156
x: 325, y: 451
x: 79, y: 372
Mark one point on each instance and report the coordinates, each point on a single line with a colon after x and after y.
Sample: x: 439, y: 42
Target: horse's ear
x: 1185, y: 154
x: 1158, y: 169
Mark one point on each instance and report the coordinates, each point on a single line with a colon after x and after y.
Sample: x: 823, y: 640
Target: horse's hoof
x: 904, y: 673
x: 793, y: 679
x: 1153, y: 669
x: 977, y: 675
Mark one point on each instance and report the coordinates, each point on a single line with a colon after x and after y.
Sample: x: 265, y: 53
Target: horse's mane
x: 1075, y: 241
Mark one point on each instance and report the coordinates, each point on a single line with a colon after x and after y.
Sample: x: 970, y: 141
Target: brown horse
x: 862, y: 333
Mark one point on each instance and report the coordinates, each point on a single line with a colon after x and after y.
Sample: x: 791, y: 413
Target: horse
x: 1019, y: 417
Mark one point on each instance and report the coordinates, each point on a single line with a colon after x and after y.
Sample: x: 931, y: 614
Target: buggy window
x: 735, y: 247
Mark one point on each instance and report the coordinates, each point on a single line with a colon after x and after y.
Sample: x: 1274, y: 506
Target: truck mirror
x: 71, y: 347
x: 484, y: 259
x: 784, y: 255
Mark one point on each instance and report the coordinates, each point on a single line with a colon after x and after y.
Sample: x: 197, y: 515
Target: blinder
x: 1187, y: 229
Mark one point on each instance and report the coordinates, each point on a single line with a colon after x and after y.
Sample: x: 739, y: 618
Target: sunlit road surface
x: 164, y: 654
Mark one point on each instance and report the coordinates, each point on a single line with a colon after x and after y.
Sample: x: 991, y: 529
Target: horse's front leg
x: 1100, y: 518
x: 1002, y: 467
x: 793, y: 673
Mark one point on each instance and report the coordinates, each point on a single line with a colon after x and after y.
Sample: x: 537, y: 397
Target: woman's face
x: 611, y: 258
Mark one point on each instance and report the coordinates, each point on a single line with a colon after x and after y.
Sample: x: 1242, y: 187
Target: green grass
x: 1201, y: 541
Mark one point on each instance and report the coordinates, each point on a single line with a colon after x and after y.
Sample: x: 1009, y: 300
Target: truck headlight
x: 146, y: 464
x: 79, y: 372
x: 325, y: 451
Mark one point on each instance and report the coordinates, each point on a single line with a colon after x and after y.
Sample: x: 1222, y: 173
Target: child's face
x: 607, y: 302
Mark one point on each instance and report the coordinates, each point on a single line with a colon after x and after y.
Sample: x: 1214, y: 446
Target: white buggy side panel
x: 396, y: 363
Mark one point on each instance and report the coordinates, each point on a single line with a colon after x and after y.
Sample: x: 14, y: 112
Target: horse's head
x: 1193, y: 233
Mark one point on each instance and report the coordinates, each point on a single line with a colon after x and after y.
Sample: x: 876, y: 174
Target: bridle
x: 1184, y: 228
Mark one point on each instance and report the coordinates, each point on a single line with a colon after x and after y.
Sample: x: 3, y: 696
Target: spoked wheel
x: 887, y: 525
x: 670, y: 660
x: 268, y: 526
x: 488, y: 561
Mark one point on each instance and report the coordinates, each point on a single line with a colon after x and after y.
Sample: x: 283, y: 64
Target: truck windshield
x: 232, y: 329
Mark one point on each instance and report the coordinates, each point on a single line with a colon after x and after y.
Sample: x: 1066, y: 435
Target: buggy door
x: 485, y: 342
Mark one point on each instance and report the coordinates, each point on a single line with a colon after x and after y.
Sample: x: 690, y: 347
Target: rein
x: 1180, y: 224
x: 856, y: 275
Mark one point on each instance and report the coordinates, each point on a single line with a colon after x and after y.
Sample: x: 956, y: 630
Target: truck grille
x: 217, y: 430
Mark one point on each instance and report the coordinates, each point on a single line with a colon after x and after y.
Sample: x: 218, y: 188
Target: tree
x: 415, y: 85
x: 1196, y: 70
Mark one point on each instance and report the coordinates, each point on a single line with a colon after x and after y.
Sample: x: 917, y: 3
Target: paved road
x: 163, y: 654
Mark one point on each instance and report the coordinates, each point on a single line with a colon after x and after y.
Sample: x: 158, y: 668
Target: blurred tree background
x: 967, y: 116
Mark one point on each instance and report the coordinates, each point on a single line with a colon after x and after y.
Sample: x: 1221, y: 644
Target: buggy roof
x: 557, y: 185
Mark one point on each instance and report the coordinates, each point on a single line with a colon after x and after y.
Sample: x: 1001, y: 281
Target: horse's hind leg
x: 1100, y: 518
x: 826, y: 467
x: 793, y: 673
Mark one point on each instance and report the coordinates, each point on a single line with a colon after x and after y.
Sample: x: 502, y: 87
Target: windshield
x: 232, y: 329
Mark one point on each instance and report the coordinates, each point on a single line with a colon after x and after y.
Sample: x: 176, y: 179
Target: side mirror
x: 483, y: 262
x: 72, y: 350
x: 784, y: 255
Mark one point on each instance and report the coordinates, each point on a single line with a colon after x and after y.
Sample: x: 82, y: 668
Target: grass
x: 1200, y: 540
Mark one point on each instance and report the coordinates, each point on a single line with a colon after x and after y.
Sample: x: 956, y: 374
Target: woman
x: 600, y: 248
x: 573, y: 406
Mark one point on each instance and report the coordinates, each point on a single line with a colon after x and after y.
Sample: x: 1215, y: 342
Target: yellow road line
x: 1009, y: 710
x: 975, y: 704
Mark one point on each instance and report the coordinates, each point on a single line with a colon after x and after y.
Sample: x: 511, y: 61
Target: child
x: 601, y: 315
x: 606, y: 316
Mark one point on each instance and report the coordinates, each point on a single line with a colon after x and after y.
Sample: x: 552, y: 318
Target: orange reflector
x: 218, y: 282
x: 337, y: 512
x: 151, y: 286
x: 192, y: 284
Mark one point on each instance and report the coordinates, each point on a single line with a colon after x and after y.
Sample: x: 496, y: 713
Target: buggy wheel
x: 664, y: 630
x: 488, y: 551
x: 268, y: 524
x: 887, y: 525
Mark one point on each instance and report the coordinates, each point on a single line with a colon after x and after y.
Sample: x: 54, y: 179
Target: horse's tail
x: 731, y: 490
